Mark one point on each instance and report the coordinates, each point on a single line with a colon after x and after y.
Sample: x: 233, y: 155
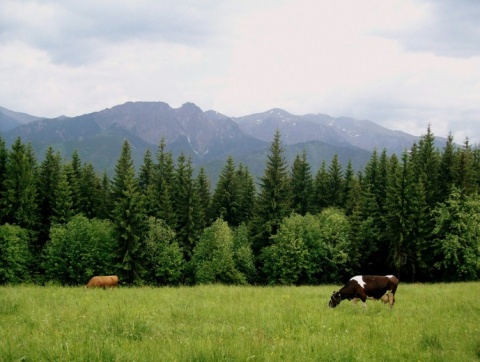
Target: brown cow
x: 110, y: 281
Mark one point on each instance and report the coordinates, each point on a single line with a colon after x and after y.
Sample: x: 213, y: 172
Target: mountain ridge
x: 208, y: 137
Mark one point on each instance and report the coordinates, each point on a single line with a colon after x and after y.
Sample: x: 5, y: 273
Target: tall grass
x: 217, y: 323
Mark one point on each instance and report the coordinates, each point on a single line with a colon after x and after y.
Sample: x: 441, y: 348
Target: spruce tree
x: 187, y: 203
x: 63, y: 208
x: 19, y: 201
x: 226, y: 196
x: 320, y: 189
x: 48, y: 180
x: 334, y: 184
x: 247, y: 191
x: 203, y: 186
x: 128, y: 218
x: 274, y: 198
x: 302, y: 185
x: 446, y: 169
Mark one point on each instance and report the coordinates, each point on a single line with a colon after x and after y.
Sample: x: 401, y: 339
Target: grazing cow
x: 362, y: 287
x: 110, y: 281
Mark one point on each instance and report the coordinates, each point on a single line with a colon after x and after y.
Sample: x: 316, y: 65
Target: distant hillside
x: 10, y: 119
x: 207, y: 137
x: 343, y: 131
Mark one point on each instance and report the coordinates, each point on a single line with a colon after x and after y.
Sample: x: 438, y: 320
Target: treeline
x: 416, y: 215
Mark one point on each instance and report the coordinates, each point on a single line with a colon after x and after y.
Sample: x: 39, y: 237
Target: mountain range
x: 208, y: 137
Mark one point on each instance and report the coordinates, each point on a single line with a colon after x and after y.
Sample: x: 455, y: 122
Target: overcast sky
x: 403, y: 64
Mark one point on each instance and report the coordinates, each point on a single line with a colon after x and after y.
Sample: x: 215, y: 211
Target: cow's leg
x: 391, y: 299
x: 355, y: 301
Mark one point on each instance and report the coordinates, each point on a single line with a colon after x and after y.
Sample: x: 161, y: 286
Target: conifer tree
x: 203, y: 186
x: 446, y: 169
x: 48, y: 180
x: 106, y: 203
x: 63, y: 208
x: 302, y: 185
x: 161, y: 198
x: 334, y: 184
x: 128, y: 218
x: 247, y: 193
x: 226, y: 196
x: 3, y: 166
x: 19, y: 201
x: 320, y: 189
x: 187, y: 203
x: 274, y: 198
x: 464, y: 169
x: 145, y: 177
x: 90, y: 192
x: 74, y: 177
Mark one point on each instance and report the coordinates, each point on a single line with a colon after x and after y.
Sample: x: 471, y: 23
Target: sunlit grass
x: 213, y: 323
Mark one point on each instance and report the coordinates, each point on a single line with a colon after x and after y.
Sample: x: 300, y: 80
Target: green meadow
x: 430, y: 322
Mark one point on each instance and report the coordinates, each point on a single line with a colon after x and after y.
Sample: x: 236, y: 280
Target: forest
x: 415, y: 215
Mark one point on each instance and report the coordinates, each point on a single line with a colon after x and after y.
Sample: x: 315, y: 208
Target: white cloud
x: 404, y: 64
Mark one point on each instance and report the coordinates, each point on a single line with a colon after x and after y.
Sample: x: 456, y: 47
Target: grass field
x: 439, y: 322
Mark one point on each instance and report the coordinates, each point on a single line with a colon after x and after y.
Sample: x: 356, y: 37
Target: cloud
x: 74, y: 32
x: 403, y: 64
x: 449, y: 28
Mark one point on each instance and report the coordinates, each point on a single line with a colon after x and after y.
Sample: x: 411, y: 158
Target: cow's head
x: 335, y: 300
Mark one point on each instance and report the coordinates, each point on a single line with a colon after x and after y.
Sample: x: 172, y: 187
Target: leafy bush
x: 78, y: 250
x: 15, y: 256
x: 212, y: 260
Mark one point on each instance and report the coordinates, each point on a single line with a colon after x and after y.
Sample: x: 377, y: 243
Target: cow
x: 363, y: 287
x: 103, y: 281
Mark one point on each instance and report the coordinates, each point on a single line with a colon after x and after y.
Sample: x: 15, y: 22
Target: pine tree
x: 302, y: 185
x: 19, y: 202
x: 446, y: 169
x: 74, y: 177
x: 274, y: 199
x: 48, y: 180
x: 145, y: 177
x: 334, y: 184
x: 464, y: 170
x: 63, y: 208
x: 226, y: 196
x: 187, y: 203
x: 161, y: 196
x: 106, y: 203
x: 90, y: 192
x: 247, y: 192
x: 128, y: 218
x: 320, y: 189
x: 203, y: 186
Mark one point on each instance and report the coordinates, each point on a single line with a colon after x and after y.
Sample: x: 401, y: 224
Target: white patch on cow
x: 389, y: 276
x: 359, y: 280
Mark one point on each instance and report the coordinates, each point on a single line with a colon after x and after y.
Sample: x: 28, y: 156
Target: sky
x: 403, y: 64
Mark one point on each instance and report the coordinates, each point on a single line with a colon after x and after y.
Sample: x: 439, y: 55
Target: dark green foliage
x: 274, y: 199
x: 187, y: 202
x: 79, y: 250
x: 15, y: 255
x: 416, y: 216
x: 19, y: 200
x: 302, y: 185
x: 128, y: 219
x: 48, y: 183
x: 62, y: 210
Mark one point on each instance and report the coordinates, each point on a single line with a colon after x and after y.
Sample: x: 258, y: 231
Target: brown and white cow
x: 103, y: 281
x: 363, y: 287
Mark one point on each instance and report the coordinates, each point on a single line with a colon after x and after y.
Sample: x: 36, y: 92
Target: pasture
x: 430, y: 322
